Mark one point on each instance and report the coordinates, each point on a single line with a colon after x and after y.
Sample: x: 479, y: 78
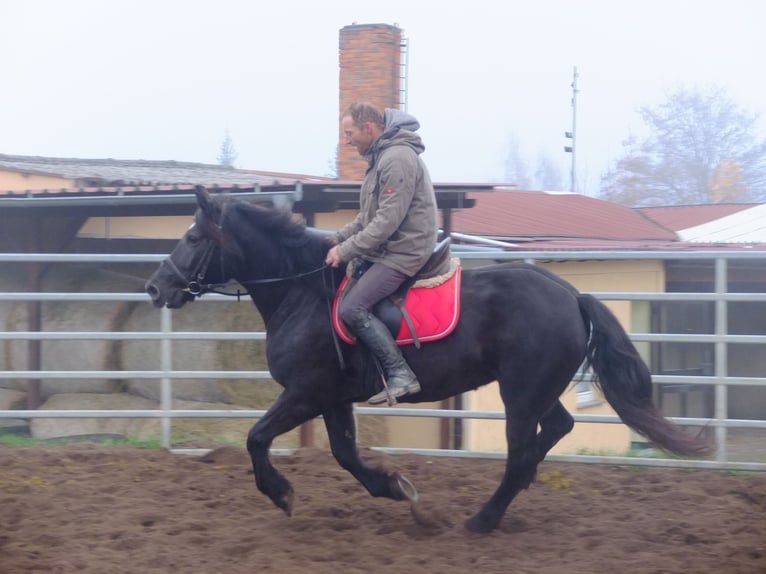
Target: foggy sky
x: 164, y: 79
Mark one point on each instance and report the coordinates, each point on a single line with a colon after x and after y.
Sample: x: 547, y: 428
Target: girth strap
x: 399, y: 302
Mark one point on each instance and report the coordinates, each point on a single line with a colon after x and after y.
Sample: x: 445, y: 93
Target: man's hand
x: 333, y: 259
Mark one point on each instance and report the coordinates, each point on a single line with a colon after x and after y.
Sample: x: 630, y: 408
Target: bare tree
x: 516, y: 168
x: 701, y: 148
x: 228, y: 155
x: 548, y: 175
x: 332, y: 165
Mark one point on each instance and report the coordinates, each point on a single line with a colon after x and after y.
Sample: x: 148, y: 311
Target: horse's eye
x: 193, y: 239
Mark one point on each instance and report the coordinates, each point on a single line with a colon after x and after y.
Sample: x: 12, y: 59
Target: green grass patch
x: 16, y: 440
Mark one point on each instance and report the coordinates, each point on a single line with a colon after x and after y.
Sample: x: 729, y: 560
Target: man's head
x: 361, y: 125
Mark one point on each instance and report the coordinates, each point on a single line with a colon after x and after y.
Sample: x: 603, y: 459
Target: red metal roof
x: 541, y: 215
x: 677, y: 217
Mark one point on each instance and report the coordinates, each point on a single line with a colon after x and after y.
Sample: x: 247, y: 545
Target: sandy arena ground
x: 95, y: 509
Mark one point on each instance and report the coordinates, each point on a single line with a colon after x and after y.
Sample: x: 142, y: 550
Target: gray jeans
x: 377, y: 282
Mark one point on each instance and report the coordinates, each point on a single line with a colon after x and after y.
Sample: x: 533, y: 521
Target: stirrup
x: 390, y: 394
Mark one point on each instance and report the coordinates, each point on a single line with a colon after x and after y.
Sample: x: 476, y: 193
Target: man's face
x: 361, y: 137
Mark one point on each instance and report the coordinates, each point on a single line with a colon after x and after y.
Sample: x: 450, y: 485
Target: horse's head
x: 196, y: 261
x: 233, y: 239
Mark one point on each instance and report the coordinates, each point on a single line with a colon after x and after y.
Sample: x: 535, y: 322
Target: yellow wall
x: 413, y: 432
x: 174, y: 227
x: 13, y: 181
x: 160, y: 227
x: 334, y: 220
x: 616, y: 276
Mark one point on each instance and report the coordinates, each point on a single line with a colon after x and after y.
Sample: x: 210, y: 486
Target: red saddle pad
x: 434, y: 312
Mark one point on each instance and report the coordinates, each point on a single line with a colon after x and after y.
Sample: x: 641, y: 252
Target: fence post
x: 721, y: 366
x: 34, y: 347
x: 166, y: 385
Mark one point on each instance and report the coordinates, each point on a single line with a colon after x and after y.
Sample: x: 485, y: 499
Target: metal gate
x: 164, y: 374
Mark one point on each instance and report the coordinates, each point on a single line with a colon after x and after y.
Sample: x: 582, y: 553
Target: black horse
x: 520, y: 325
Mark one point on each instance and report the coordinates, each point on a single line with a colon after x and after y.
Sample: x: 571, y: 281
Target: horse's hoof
x: 478, y: 525
x: 286, y: 501
x: 403, y: 489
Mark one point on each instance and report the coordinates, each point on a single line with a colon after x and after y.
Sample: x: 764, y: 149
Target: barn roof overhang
x: 47, y: 219
x: 180, y: 199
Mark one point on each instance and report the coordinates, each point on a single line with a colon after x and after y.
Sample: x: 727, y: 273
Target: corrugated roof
x: 526, y: 214
x: 114, y: 172
x: 745, y: 226
x: 676, y: 217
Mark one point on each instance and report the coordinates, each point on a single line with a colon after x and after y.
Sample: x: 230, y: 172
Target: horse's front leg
x: 341, y: 430
x: 287, y: 412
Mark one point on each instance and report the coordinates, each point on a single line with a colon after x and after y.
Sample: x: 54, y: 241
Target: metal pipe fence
x: 720, y: 380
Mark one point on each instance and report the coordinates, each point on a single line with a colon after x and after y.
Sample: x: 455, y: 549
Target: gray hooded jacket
x: 397, y: 223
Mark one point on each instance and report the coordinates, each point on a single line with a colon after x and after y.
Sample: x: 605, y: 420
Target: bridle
x: 197, y: 287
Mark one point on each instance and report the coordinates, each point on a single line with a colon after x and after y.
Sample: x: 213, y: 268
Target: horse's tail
x: 626, y: 381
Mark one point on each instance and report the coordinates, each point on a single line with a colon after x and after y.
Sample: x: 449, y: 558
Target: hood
x: 399, y: 129
x: 395, y: 120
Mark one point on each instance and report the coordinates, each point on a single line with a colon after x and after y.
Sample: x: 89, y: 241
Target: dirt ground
x: 95, y: 509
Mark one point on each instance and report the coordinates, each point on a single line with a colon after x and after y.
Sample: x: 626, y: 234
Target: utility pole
x: 573, y: 134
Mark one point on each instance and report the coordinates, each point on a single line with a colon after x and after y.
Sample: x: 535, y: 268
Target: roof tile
x: 111, y: 172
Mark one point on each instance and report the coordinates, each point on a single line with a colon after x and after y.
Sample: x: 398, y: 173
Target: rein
x: 197, y: 287
x: 213, y: 287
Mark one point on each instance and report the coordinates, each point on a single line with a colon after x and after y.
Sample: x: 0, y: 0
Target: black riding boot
x: 400, y: 379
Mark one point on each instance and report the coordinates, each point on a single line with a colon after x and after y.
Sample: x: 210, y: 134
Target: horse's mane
x: 243, y: 223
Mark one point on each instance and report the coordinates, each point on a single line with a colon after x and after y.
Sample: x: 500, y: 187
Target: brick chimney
x: 370, y: 58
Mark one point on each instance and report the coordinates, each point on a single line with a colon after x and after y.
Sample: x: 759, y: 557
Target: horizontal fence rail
x: 719, y: 381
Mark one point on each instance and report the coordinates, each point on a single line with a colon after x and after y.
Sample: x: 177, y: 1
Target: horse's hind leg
x: 341, y: 429
x: 554, y: 425
x: 285, y: 414
x: 520, y: 467
x: 525, y: 451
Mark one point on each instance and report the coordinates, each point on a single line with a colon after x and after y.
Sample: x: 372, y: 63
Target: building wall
x: 370, y: 56
x: 159, y: 227
x: 334, y: 220
x: 13, y: 181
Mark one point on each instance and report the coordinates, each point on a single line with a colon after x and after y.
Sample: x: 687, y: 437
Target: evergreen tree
x: 227, y: 155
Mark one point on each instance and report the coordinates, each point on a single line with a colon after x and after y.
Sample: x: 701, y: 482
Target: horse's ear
x: 204, y: 200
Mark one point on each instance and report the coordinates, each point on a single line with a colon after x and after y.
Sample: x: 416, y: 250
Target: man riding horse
x: 394, y: 233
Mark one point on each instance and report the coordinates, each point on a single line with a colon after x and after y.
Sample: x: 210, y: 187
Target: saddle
x: 426, y: 307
